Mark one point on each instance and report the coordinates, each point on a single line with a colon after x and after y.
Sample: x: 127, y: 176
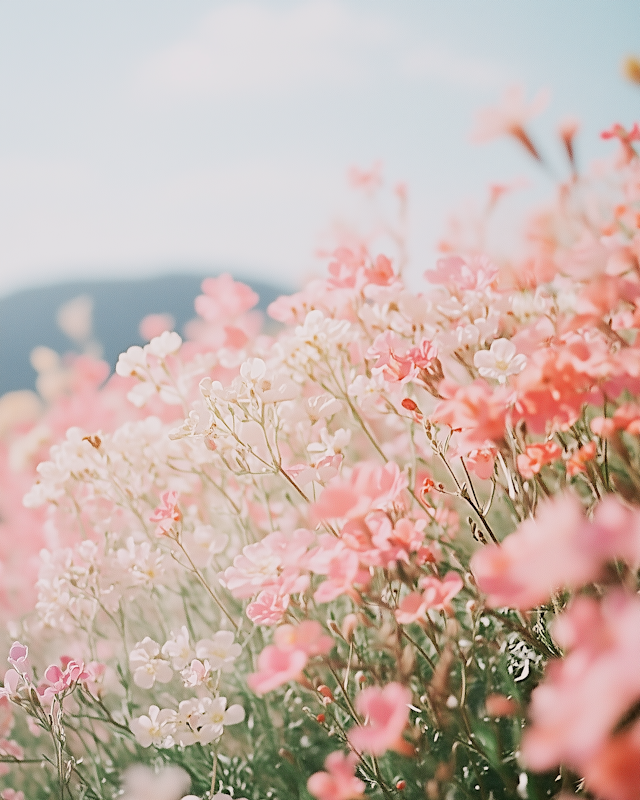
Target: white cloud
x: 249, y: 47
x: 252, y: 47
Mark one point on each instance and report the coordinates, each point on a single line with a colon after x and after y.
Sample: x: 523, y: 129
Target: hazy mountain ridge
x: 28, y: 317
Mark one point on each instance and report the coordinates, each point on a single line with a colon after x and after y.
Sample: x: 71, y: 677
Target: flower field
x: 385, y: 545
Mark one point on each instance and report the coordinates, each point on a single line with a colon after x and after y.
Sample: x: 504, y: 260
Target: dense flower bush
x: 388, y: 549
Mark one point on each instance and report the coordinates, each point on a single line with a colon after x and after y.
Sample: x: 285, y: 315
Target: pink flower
x: 386, y: 713
x: 10, y: 683
x: 536, y: 456
x: 369, y: 487
x: 224, y: 299
x: 308, y: 636
x: 477, y: 411
x: 509, y: 118
x: 61, y: 681
x: 268, y: 608
x: 436, y: 594
x: 18, y: 655
x: 585, y: 695
x: 339, y: 781
x: 12, y: 794
x: 540, y: 557
x: 582, y: 455
x: 276, y: 667
x: 626, y: 139
x: 285, y: 660
x: 481, y: 462
x: 155, y: 324
x: 166, y: 513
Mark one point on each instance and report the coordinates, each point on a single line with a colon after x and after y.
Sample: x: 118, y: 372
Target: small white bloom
x: 157, y: 728
x: 147, y: 664
x: 213, y: 717
x: 499, y: 361
x: 166, y: 344
x: 220, y: 651
x: 133, y: 362
x: 178, y: 649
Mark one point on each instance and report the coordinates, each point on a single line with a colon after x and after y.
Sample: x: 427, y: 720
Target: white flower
x: 133, y: 362
x: 166, y: 344
x: 178, y: 649
x: 499, y: 361
x: 204, y: 543
x: 157, y: 728
x: 220, y: 651
x: 213, y: 717
x: 143, y: 783
x: 147, y: 665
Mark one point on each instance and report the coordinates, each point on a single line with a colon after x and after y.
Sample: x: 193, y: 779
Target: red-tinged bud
x: 209, y: 443
x: 321, y: 718
x: 400, y: 785
x: 427, y: 486
x: 409, y: 404
x: 326, y: 692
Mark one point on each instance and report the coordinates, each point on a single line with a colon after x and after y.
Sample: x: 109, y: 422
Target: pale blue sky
x: 142, y: 135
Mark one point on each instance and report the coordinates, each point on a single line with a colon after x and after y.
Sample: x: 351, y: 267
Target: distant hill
x: 28, y: 317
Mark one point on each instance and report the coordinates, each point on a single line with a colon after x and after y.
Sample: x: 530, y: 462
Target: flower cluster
x: 387, y: 548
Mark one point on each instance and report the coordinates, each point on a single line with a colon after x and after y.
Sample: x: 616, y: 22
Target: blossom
x: 386, y: 713
x: 143, y: 783
x: 61, y: 681
x: 369, y: 487
x: 148, y: 665
x: 276, y: 667
x: 155, y: 728
x: 499, y: 361
x: 18, y: 655
x: 220, y: 651
x: 510, y: 117
x: 435, y: 594
x: 536, y: 456
x: 178, y: 649
x: 213, y: 716
x: 477, y: 411
x: 167, y: 512
x: 575, y: 709
x: 338, y: 782
x: 559, y: 548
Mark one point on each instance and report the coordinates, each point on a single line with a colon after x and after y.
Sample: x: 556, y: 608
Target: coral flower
x: 386, y: 713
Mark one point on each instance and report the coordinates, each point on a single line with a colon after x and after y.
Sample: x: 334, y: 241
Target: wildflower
x: 166, y: 513
x: 213, y: 716
x: 220, y: 651
x: 148, y: 665
x: 142, y: 783
x: 510, y: 118
x: 155, y: 728
x: 386, y: 713
x: 338, y: 782
x: 536, y: 456
x: 499, y: 361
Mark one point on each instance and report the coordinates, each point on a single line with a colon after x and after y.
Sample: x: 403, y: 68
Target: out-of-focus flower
x: 338, y: 782
x: 510, y: 117
x: 386, y: 713
x: 143, y: 783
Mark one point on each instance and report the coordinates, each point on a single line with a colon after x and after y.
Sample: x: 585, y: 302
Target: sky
x: 154, y: 136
